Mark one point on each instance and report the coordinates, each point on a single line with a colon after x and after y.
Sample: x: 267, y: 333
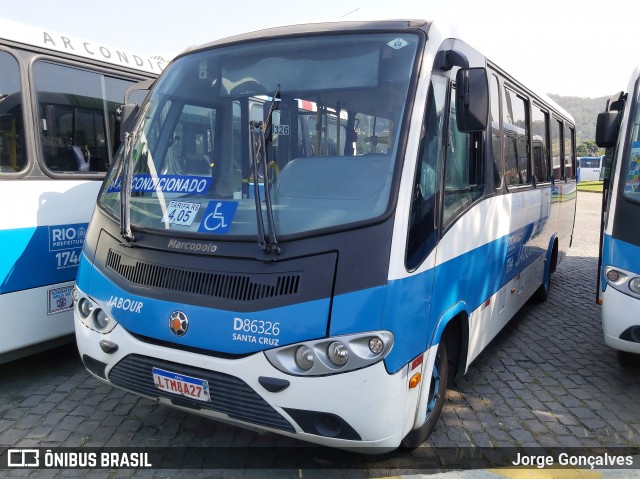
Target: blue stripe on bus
x: 412, y: 305
x: 35, y: 257
x: 408, y: 307
x: 210, y: 329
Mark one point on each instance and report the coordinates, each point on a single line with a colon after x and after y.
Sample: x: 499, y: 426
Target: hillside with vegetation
x: 584, y: 111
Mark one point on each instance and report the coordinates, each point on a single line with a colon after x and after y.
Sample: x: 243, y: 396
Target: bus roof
x: 30, y: 36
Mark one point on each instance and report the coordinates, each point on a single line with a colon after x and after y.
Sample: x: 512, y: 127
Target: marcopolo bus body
x: 618, y: 129
x: 58, y: 102
x: 312, y: 228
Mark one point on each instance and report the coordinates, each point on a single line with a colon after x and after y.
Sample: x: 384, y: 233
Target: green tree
x: 588, y: 148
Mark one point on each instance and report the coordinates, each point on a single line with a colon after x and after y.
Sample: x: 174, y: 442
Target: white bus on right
x: 618, y: 130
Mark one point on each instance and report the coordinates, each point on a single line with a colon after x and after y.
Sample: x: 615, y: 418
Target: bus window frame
x: 34, y: 106
x: 27, y: 119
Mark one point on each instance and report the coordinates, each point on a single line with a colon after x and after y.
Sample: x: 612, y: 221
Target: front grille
x: 229, y: 394
x: 234, y: 286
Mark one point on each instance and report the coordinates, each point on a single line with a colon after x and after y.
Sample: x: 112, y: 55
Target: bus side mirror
x: 607, y: 128
x: 472, y: 99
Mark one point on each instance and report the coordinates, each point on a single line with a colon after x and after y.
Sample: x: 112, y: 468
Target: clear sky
x: 563, y: 47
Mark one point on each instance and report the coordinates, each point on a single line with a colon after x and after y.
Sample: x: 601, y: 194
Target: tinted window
x: 422, y: 220
x: 540, y: 126
x: 76, y: 117
x: 515, y: 125
x: 556, y: 149
x: 495, y: 133
x: 569, y: 157
x: 463, y: 175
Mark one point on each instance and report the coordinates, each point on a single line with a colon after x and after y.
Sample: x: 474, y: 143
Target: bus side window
x: 516, y: 131
x: 423, y: 217
x: 77, y: 110
x: 556, y: 149
x: 569, y: 155
x: 540, y: 127
x: 463, y: 172
x: 12, y: 150
x: 496, y: 136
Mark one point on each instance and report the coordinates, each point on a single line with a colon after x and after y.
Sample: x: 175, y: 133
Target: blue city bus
x: 311, y: 230
x: 618, y: 130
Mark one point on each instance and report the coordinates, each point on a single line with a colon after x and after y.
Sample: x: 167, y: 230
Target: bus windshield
x: 330, y: 147
x: 631, y: 170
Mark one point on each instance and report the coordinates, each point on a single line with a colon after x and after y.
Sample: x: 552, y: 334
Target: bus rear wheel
x: 437, y: 393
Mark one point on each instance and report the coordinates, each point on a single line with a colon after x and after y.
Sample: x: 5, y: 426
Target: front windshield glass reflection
x: 331, y: 147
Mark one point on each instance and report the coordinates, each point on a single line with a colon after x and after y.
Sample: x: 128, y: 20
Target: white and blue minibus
x: 59, y: 97
x: 618, y: 130
x: 311, y: 230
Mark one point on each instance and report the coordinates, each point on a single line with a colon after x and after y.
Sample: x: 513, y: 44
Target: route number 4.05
x: 67, y: 259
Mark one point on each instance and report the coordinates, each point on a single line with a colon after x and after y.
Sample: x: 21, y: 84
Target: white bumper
x: 619, y: 312
x: 370, y: 400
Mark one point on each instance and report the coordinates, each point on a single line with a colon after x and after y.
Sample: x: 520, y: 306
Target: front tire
x: 542, y: 293
x: 437, y: 394
x: 627, y: 359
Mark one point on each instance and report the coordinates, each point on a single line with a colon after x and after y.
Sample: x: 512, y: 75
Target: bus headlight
x: 613, y: 275
x: 332, y: 355
x: 304, y: 358
x: 338, y: 353
x: 376, y: 345
x: 101, y: 320
x: 626, y: 282
x: 91, y: 315
x: 85, y: 307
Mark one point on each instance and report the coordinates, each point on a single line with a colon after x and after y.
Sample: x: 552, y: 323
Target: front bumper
x: 362, y: 409
x: 619, y: 314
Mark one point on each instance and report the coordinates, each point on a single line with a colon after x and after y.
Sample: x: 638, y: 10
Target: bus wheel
x: 542, y: 293
x: 437, y: 393
x: 627, y: 359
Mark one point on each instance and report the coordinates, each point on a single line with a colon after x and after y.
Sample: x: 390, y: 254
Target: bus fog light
x: 376, y: 346
x: 100, y: 320
x: 613, y: 275
x: 85, y: 307
x: 304, y: 358
x: 338, y: 353
x: 634, y: 285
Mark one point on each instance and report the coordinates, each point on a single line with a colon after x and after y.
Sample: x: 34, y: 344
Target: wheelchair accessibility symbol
x: 218, y: 217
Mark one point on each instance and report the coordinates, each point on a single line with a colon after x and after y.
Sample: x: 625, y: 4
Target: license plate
x: 181, y: 385
x: 60, y: 299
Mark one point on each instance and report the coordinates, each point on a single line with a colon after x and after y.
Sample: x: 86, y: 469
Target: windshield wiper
x: 125, y: 190
x: 259, y: 154
x: 126, y: 173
